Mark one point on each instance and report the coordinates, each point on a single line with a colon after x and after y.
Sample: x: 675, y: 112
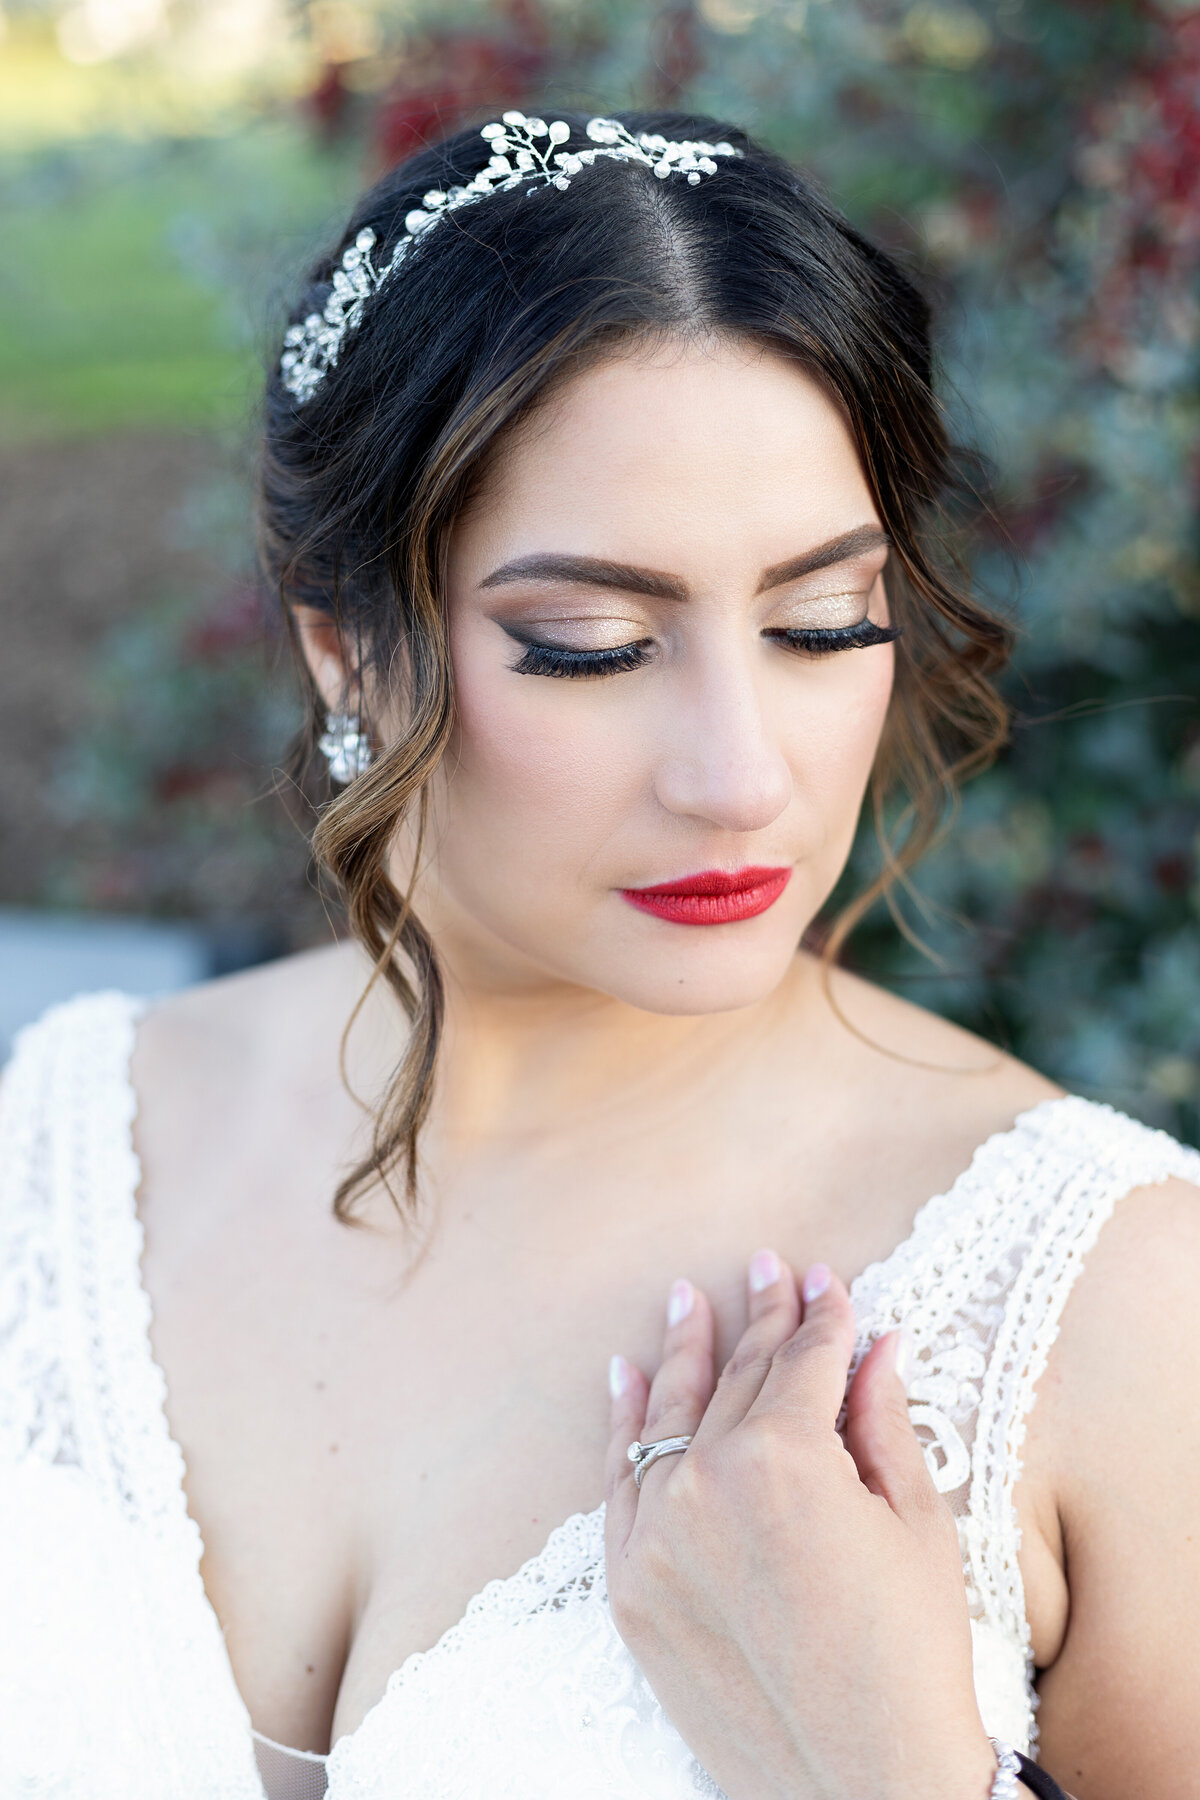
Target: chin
x: 697, y: 979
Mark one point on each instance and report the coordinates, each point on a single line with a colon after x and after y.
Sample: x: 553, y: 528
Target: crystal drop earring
x: 345, y: 747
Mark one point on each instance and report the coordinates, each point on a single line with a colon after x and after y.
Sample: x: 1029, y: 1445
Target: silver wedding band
x: 642, y: 1455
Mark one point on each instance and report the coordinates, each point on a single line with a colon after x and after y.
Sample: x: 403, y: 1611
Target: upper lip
x: 716, y: 881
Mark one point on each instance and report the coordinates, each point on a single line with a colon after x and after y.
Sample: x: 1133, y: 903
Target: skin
x: 622, y: 1102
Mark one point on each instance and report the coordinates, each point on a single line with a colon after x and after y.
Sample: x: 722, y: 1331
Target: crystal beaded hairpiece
x: 522, y: 150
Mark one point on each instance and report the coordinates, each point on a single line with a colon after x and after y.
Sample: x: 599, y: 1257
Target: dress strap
x: 980, y: 1286
x: 36, y: 1415
x: 65, y: 1111
x: 131, y: 1561
x: 1090, y: 1158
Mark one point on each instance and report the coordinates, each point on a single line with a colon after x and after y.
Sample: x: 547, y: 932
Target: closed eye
x: 842, y: 637
x: 548, y: 659
x: 545, y: 659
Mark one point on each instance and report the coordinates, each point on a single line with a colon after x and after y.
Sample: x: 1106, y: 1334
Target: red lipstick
x: 714, y: 897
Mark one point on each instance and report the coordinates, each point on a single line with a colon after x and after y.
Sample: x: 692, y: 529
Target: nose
x: 721, y: 761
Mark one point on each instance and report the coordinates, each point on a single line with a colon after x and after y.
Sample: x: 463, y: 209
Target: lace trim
x: 947, y: 1285
x: 118, y: 1392
x: 129, y: 1444
x: 1107, y: 1156
x: 567, y: 1570
x: 984, y: 1311
x: 36, y: 1416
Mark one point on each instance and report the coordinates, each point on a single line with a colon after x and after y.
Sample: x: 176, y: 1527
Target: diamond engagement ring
x: 642, y: 1455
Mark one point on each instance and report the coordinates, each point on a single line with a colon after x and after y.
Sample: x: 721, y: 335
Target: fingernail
x: 816, y: 1281
x: 764, y: 1270
x: 679, y: 1304
x: 904, y: 1356
x: 618, y: 1376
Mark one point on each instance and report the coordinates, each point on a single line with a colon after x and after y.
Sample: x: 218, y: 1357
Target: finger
x: 807, y: 1377
x: 628, y: 1392
x: 879, y: 1433
x: 683, y: 1385
x: 774, y: 1309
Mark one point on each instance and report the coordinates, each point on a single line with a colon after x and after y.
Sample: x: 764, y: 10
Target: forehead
x: 716, y: 453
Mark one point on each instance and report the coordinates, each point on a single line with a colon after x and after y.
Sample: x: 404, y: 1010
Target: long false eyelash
x: 541, y: 659
x: 844, y: 637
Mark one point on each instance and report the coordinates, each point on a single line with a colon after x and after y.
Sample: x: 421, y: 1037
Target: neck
x: 514, y: 1062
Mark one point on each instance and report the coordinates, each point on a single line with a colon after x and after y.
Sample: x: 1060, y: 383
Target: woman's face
x: 631, y: 709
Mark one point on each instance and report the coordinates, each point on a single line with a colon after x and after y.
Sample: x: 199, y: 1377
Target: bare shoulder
x: 1114, y: 1455
x: 223, y: 1068
x: 239, y: 1013
x: 1122, y: 1343
x: 257, y: 1022
x: 926, y: 1069
x: 1126, y: 1365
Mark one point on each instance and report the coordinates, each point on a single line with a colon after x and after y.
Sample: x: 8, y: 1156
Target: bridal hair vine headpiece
x: 522, y: 151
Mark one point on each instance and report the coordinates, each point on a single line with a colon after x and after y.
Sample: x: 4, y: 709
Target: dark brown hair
x: 361, y: 485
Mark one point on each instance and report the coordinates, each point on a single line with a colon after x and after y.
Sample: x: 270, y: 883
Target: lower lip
x: 711, y: 899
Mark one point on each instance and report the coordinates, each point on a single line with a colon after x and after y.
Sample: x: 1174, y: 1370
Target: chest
x: 371, y: 1436
x: 375, y: 1427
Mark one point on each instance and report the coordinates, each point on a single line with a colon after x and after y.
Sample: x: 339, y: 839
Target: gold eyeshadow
x: 583, y: 634
x: 828, y: 612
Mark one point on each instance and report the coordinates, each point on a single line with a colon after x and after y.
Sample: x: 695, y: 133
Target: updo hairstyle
x: 361, y: 485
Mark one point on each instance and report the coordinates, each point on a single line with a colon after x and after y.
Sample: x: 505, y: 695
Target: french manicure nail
x: 680, y: 1301
x: 764, y: 1270
x: 618, y: 1376
x: 816, y: 1281
x: 904, y: 1356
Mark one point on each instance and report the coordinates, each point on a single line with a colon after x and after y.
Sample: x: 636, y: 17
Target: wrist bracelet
x: 1008, y: 1772
x: 1038, y: 1782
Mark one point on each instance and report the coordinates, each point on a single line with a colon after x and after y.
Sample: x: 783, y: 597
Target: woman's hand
x: 797, y: 1605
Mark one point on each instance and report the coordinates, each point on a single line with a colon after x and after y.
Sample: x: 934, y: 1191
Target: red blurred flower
x: 675, y: 52
x: 329, y: 101
x: 449, y: 77
x: 1143, y: 151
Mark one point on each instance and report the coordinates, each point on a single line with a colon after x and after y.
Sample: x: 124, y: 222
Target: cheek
x: 832, y: 734
x: 543, y: 771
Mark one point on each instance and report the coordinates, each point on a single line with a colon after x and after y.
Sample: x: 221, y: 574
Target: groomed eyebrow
x: 594, y: 571
x: 859, y: 542
x: 587, y: 571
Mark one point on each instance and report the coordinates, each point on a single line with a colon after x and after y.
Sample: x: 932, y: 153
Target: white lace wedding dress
x: 114, y: 1678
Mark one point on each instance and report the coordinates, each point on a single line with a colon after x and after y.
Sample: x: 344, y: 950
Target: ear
x: 325, y: 654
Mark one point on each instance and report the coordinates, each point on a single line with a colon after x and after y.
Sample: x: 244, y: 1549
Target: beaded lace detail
x: 980, y: 1285
x: 114, y: 1679
x: 35, y: 1406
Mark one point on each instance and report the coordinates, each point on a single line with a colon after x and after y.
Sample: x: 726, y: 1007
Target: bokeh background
x: 166, y: 166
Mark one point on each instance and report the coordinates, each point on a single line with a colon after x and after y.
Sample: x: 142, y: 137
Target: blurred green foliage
x: 137, y: 276
x: 1037, y: 164
x: 167, y: 783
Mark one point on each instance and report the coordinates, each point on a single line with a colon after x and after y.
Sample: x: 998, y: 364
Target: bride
x: 603, y: 490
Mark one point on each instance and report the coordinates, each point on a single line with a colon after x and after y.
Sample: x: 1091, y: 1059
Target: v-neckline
x: 156, y: 1472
